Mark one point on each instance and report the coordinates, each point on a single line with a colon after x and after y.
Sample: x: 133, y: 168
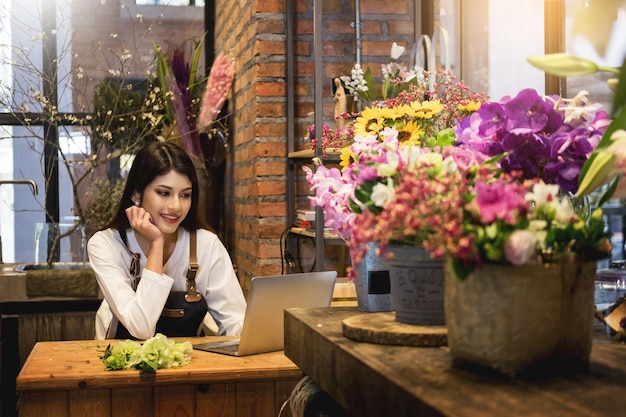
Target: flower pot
x: 510, y: 318
x: 373, y: 292
x: 417, y: 286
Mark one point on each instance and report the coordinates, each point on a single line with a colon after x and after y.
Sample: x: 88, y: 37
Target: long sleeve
x: 219, y: 284
x: 137, y: 310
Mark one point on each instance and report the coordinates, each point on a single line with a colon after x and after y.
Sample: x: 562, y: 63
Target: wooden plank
x: 406, y: 380
x: 132, y: 402
x: 283, y: 392
x: 92, y: 403
x: 382, y: 328
x: 215, y: 400
x: 44, y: 404
x: 76, y: 364
x: 256, y: 399
x: 174, y: 401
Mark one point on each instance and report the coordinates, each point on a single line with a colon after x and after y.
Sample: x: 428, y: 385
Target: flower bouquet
x: 421, y: 110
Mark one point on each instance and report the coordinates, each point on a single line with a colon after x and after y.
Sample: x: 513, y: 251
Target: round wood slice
x: 383, y: 329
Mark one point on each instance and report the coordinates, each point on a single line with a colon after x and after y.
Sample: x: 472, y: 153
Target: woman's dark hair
x: 154, y: 160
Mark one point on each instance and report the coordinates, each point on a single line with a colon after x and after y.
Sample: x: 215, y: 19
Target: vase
x: 510, y: 318
x: 60, y: 242
x: 373, y: 292
x: 417, y: 286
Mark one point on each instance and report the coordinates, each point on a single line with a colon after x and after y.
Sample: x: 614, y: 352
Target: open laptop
x: 263, y: 325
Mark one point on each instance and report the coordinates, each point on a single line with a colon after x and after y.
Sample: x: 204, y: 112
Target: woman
x: 154, y: 222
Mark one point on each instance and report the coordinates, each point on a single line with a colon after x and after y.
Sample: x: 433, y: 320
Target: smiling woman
x: 160, y: 282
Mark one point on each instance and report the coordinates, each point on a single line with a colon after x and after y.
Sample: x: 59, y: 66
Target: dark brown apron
x: 184, y: 310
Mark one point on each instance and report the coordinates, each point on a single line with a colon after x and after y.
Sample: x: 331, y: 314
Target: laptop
x: 268, y: 298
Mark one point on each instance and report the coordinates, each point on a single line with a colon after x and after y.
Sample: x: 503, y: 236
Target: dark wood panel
x: 132, y: 402
x: 215, y: 400
x: 44, y: 404
x: 372, y: 380
x: 92, y: 403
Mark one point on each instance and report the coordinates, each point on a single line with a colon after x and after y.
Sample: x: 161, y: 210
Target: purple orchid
x: 543, y: 137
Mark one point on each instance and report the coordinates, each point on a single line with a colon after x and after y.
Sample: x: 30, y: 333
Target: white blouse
x: 140, y: 310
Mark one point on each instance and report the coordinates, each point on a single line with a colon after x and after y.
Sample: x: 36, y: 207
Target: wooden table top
x: 71, y: 365
x: 375, y: 380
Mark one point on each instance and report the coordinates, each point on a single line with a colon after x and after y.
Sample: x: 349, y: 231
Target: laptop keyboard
x: 230, y: 348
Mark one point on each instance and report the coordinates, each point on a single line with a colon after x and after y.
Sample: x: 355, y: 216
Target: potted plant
x: 520, y: 258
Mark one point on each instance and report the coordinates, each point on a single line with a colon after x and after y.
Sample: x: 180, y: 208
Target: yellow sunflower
x: 470, y: 107
x: 426, y: 109
x: 370, y: 122
x: 410, y: 134
x: 394, y: 113
x: 346, y: 157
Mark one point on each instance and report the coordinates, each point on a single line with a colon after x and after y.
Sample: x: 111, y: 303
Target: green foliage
x: 101, y: 202
x: 155, y: 353
x: 123, y: 115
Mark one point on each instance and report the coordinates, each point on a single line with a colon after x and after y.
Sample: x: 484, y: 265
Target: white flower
x: 382, y: 193
x: 391, y: 167
x: 396, y: 51
x: 520, y: 247
x: 542, y: 194
x: 563, y: 211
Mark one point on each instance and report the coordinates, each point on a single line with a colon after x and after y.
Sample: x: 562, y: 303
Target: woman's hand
x: 142, y: 222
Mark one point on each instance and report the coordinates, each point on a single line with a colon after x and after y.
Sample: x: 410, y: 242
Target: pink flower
x: 464, y: 157
x: 332, y: 193
x: 499, y: 200
x: 218, y: 85
x: 520, y: 247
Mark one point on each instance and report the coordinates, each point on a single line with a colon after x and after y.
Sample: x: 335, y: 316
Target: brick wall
x: 254, y: 32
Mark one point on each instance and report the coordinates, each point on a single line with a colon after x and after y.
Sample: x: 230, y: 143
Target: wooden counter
x: 26, y: 319
x: 378, y: 380
x: 61, y: 379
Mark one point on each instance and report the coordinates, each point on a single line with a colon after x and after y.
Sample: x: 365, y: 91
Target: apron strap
x: 192, y: 295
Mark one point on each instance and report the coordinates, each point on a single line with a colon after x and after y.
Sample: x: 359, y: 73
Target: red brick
x: 271, y: 149
x: 400, y: 27
x: 340, y: 26
x: 270, y: 89
x: 270, y: 47
x: 273, y: 109
x: 271, y: 188
x: 272, y: 208
x: 271, y: 69
x: 270, y: 168
x: 270, y: 6
x: 398, y: 7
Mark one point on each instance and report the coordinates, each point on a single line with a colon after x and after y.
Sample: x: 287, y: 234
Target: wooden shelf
x: 330, y: 238
x: 330, y: 156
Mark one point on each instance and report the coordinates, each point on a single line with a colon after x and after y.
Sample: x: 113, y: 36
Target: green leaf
x: 619, y: 99
x: 163, y: 72
x: 609, y: 192
x: 194, y: 64
x: 370, y: 95
x: 564, y: 64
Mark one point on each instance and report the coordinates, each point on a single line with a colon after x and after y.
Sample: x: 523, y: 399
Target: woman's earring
x: 137, y: 203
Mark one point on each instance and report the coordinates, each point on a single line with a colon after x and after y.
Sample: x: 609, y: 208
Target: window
x: 86, y: 53
x: 198, y: 3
